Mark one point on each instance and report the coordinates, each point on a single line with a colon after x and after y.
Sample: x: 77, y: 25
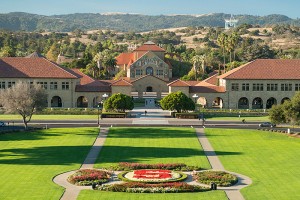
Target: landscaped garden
x: 29, y: 160
x: 270, y: 159
x: 139, y: 149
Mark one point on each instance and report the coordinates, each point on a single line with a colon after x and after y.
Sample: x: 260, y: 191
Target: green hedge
x: 113, y: 115
x: 186, y: 115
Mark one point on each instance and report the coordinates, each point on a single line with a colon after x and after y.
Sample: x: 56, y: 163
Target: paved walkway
x: 72, y: 191
x: 232, y: 192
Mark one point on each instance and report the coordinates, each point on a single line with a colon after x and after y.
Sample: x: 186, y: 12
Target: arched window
x: 243, y: 103
x: 56, y: 102
x: 82, y: 102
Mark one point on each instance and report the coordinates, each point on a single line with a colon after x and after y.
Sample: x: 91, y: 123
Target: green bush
x: 219, y: 177
x: 134, y: 187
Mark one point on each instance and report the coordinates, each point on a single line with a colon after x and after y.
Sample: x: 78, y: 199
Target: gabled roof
x: 88, y: 84
x: 150, y: 46
x: 179, y: 83
x: 207, y: 89
x: 121, y: 82
x: 35, y: 67
x: 145, y: 76
x: 125, y: 58
x: 266, y: 69
x: 213, y: 78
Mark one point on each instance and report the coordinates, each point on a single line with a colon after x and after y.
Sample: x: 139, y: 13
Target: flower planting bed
x: 219, y: 177
x: 86, y: 177
x: 152, y: 176
x: 135, y: 187
x: 125, y: 166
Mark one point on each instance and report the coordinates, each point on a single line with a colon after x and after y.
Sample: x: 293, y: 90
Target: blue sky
x: 154, y: 7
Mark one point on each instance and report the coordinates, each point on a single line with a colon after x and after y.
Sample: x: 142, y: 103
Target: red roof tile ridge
x: 178, y: 80
x: 234, y: 70
x: 58, y: 66
x: 121, y: 80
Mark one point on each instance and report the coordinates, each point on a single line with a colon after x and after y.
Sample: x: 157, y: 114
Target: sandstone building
x: 255, y: 85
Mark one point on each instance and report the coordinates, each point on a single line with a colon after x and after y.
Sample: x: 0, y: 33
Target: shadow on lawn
x: 50, y: 155
x: 151, y: 133
x: 115, y: 154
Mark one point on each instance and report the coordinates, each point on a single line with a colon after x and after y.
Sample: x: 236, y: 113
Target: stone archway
x: 257, y: 103
x: 82, y: 102
x: 202, y: 101
x: 285, y: 99
x: 270, y: 102
x: 56, y: 102
x: 96, y: 101
x: 243, y: 103
x: 218, y: 103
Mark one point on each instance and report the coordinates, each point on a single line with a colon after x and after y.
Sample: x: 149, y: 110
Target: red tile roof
x: 213, y: 78
x: 266, y: 69
x: 121, y: 82
x: 125, y: 58
x: 88, y: 84
x: 207, y: 89
x: 179, y: 83
x: 145, y: 76
x: 150, y: 47
x: 35, y: 67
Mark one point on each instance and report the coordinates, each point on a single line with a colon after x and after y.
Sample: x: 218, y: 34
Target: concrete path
x: 232, y: 192
x: 72, y: 191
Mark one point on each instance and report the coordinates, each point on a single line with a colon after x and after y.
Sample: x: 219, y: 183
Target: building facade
x: 255, y: 85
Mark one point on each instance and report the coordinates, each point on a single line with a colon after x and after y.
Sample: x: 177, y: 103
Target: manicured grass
x: 256, y: 119
x: 152, y: 145
x: 29, y: 160
x: 50, y: 117
x: 95, y: 195
x: 270, y: 159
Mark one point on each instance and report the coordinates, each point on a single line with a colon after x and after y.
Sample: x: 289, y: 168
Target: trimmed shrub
x: 126, y: 166
x: 89, y: 176
x: 135, y: 187
x: 219, y: 177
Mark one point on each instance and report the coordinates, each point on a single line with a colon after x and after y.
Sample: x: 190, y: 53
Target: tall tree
x: 222, y: 40
x: 196, y: 62
x: 23, y: 98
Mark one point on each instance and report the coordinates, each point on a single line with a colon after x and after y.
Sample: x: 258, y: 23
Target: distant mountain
x: 127, y: 22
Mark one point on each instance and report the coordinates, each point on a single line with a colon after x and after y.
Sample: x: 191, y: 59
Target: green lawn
x: 50, y: 117
x: 29, y: 160
x: 270, y: 159
x: 152, y: 145
x: 256, y: 118
x: 96, y: 195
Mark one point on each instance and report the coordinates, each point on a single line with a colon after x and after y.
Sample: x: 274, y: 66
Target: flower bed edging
x: 137, y: 187
x: 86, y: 177
x: 221, y: 178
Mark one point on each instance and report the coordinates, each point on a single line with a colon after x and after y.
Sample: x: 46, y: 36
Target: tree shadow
x: 116, y: 154
x: 50, y: 155
x: 26, y: 135
x: 150, y: 133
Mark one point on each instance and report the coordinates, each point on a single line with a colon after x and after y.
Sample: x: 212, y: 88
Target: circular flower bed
x: 219, y: 177
x: 89, y: 176
x: 152, y: 176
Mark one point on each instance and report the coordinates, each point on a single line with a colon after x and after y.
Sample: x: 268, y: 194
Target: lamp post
x: 98, y: 106
x: 104, y: 96
x: 195, y: 96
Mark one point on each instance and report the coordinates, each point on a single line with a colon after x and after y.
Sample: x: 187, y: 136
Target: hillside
x: 127, y: 22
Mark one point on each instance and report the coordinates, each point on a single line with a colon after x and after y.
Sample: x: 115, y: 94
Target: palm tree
x: 221, y: 40
x: 196, y: 60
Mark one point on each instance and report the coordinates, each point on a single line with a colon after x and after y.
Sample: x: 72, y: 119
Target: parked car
x: 2, y: 124
x: 267, y: 124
